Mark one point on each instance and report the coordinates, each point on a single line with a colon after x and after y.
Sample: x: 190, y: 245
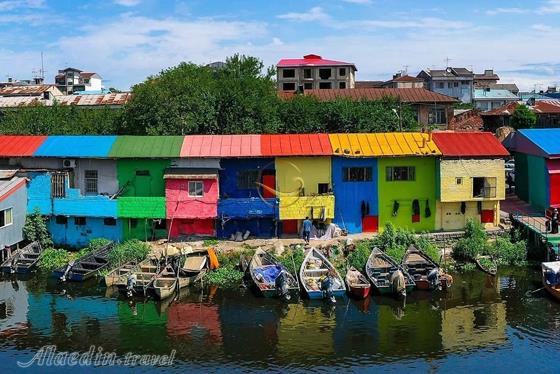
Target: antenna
x: 405, y: 70
x: 42, y: 67
x: 447, y: 59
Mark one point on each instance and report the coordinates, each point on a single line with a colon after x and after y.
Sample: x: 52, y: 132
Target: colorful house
x: 355, y: 175
x: 303, y: 177
x: 13, y: 199
x: 537, y: 166
x: 470, y: 179
x: 141, y: 164
x: 407, y: 174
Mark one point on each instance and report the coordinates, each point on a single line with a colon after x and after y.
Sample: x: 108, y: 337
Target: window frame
x: 90, y: 181
x: 321, y: 84
x: 251, y: 176
x: 341, y: 84
x: 342, y: 72
x: 390, y: 174
x: 293, y: 71
x: 193, y: 191
x: 4, y: 215
x: 286, y: 85
x: 307, y: 76
x: 61, y: 220
x: 365, y: 174
x: 324, y: 70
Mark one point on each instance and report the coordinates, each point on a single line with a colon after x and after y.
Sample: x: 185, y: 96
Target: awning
x: 190, y: 173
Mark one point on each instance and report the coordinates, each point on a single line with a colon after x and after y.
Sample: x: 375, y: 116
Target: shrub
x: 130, y: 250
x: 35, y: 229
x: 358, y: 258
x: 473, y: 243
x: 396, y: 253
x: 509, y: 253
x: 53, y: 258
x: 210, y: 243
x: 224, y: 277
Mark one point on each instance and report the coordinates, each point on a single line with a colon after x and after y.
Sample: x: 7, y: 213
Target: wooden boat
x: 264, y: 270
x: 488, y: 270
x: 314, y: 270
x: 420, y: 266
x: 379, y: 268
x: 357, y: 283
x: 551, y: 278
x: 143, y: 274
x: 168, y: 282
x: 23, y: 260
x: 86, y: 267
x: 113, y: 276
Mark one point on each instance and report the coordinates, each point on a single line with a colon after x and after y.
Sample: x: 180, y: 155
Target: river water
x: 482, y: 323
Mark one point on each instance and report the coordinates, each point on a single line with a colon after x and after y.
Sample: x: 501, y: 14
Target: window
x: 289, y: 73
x: 288, y: 86
x: 323, y: 188
x: 159, y: 224
x: 459, y: 180
x: 306, y: 73
x: 325, y: 85
x: 196, y: 189
x: 58, y: 185
x: 464, y: 83
x: 325, y: 73
x: 86, y: 81
x: 143, y: 173
x: 437, y: 116
x: 90, y: 177
x: 80, y: 221
x: 247, y: 179
x: 6, y: 218
x: 455, y: 84
x: 357, y: 174
x: 440, y: 85
x: 400, y: 173
x: 308, y: 86
x: 342, y: 85
x: 61, y: 220
x: 342, y: 72
x: 109, y: 221
x: 484, y: 187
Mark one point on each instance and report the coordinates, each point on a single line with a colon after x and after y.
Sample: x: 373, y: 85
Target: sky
x: 126, y: 41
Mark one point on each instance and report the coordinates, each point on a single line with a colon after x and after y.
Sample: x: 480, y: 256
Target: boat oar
x: 540, y: 289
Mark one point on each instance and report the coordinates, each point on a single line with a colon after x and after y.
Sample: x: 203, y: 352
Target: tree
x: 523, y: 118
x: 35, y: 229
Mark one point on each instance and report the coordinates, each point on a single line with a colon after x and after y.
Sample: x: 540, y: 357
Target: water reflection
x: 213, y: 328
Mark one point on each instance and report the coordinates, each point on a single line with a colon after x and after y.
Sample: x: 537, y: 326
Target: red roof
x: 311, y: 60
x: 296, y: 145
x: 221, y: 146
x: 407, y: 78
x: 540, y: 107
x: 474, y: 144
x: 406, y: 95
x: 87, y: 75
x: 15, y: 145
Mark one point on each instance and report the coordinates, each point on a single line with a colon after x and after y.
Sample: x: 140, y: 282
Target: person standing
x: 307, y: 224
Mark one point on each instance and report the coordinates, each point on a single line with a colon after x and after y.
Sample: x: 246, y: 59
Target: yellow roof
x: 384, y: 144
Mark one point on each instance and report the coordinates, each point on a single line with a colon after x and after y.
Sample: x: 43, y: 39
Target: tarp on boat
x: 552, y: 266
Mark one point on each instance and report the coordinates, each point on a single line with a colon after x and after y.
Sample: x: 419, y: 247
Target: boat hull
x: 359, y: 292
x: 318, y: 295
x: 17, y: 270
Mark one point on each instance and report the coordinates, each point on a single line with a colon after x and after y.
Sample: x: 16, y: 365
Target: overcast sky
x: 127, y: 40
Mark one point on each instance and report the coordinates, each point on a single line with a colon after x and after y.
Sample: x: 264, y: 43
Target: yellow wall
x: 294, y: 173
x: 449, y: 216
x: 450, y: 170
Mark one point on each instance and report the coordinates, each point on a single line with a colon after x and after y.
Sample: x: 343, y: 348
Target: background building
x: 454, y: 82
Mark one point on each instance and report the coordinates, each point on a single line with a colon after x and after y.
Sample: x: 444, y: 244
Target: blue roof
x: 482, y: 93
x: 546, y: 139
x: 531, y: 95
x: 76, y: 146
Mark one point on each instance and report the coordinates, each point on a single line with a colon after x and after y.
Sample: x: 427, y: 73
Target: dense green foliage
x: 292, y: 259
x: 395, y: 242
x: 473, y: 243
x: 130, y: 250
x: 239, y: 98
x: 523, y: 118
x: 359, y: 256
x: 53, y: 258
x: 35, y: 229
x: 60, y: 120
x: 228, y: 275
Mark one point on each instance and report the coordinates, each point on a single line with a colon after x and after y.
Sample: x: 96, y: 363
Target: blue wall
x: 259, y: 227
x: 230, y: 170
x: 246, y: 208
x: 79, y: 236
x: 74, y: 204
x: 349, y: 195
x: 39, y: 192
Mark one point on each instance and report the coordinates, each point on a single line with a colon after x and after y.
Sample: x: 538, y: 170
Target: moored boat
x: 270, y: 277
x: 86, y: 267
x: 23, y: 260
x: 426, y: 273
x: 357, y: 284
x: 140, y: 278
x: 379, y: 269
x: 165, y: 283
x: 487, y: 265
x: 319, y: 277
x: 551, y: 278
x: 171, y: 280
x: 113, y: 276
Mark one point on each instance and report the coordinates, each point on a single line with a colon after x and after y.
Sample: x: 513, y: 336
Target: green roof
x: 147, y: 146
x: 141, y: 207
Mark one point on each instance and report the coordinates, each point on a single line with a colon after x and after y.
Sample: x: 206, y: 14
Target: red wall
x: 178, y: 203
x: 191, y: 227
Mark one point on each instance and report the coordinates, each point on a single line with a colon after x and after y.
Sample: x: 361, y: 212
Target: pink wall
x: 178, y: 203
x: 191, y: 227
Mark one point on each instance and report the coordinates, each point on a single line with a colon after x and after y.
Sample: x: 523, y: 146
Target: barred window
x: 196, y: 189
x: 58, y: 185
x: 109, y: 221
x: 357, y: 174
x: 91, y: 181
x: 400, y: 173
x: 247, y: 179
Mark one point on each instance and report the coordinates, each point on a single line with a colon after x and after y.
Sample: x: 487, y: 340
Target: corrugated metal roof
x: 16, y: 145
x: 475, y: 144
x: 221, y: 146
x: 18, y: 101
x: 76, y: 146
x: 406, y: 95
x: 296, y: 145
x: 311, y: 60
x: 546, y: 139
x: 383, y: 144
x: 95, y: 100
x: 31, y: 90
x: 147, y: 146
x: 494, y: 94
x: 7, y: 187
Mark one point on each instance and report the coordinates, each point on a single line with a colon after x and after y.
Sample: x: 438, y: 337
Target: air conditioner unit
x: 68, y: 164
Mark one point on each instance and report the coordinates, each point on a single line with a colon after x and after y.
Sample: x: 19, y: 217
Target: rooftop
x: 473, y: 144
x: 9, y: 186
x: 311, y: 60
x: 449, y: 72
x: 493, y: 94
x: 546, y: 140
x: 540, y: 107
x: 31, y: 90
x: 406, y: 95
x: 79, y: 100
x: 384, y: 144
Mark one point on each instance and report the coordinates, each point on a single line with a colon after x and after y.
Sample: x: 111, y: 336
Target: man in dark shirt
x: 307, y: 224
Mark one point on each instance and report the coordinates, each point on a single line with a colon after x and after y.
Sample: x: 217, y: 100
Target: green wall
x: 521, y: 176
x: 404, y: 192
x: 140, y: 185
x: 537, y: 182
x: 144, y: 229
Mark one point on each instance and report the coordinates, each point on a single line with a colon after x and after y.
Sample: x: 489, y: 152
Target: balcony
x: 299, y: 207
x: 141, y: 207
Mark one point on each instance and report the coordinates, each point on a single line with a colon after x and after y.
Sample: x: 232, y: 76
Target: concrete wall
x: 259, y: 227
x: 466, y: 170
x: 39, y: 192
x: 335, y: 79
x: 449, y: 216
x: 106, y: 174
x: 12, y: 234
x: 247, y: 208
x: 351, y: 195
x: 180, y: 205
x: 73, y: 235
x: 423, y: 188
x: 138, y: 185
x: 191, y: 226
